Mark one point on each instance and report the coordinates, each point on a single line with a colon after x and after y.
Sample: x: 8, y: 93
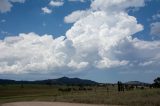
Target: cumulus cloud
x: 100, y: 40
x: 155, y: 28
x: 6, y: 5
x: 75, y: 16
x: 141, y: 55
x: 56, y: 3
x: 46, y: 10
x: 30, y: 52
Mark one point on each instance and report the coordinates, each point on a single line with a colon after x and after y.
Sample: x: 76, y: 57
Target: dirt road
x: 47, y: 104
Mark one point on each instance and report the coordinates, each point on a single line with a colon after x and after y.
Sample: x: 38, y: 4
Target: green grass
x: 99, y: 95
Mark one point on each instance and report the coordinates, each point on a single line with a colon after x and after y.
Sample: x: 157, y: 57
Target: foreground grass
x: 99, y: 95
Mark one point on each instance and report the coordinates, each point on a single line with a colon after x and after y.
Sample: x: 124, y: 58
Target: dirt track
x: 47, y: 104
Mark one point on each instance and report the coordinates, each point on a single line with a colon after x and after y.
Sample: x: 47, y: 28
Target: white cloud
x: 155, y: 28
x: 146, y: 63
x: 97, y: 34
x: 46, y: 10
x: 6, y: 5
x: 75, y: 65
x: 75, y: 16
x: 116, y: 5
x: 100, y: 40
x: 30, y: 53
x: 56, y: 3
x: 107, y: 63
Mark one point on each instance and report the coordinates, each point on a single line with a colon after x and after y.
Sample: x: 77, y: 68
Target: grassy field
x: 98, y: 95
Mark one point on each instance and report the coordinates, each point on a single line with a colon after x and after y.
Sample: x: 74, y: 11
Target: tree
x: 120, y: 86
x: 157, y: 82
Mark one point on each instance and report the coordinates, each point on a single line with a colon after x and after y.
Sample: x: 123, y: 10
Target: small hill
x: 137, y: 83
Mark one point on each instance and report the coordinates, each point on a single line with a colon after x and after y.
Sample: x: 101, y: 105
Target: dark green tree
x: 157, y: 82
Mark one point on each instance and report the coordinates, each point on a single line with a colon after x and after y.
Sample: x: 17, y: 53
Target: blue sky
x: 144, y: 16
x: 100, y: 40
x: 28, y: 17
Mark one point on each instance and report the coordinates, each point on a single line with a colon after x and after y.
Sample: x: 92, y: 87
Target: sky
x: 100, y: 40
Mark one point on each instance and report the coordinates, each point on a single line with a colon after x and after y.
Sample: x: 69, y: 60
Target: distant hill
x: 6, y: 81
x: 59, y: 81
x: 66, y: 81
x: 137, y: 83
x: 69, y: 81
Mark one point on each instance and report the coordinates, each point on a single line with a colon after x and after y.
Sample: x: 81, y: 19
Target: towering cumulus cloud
x: 100, y: 38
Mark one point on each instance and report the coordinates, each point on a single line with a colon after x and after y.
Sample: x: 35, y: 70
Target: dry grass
x: 99, y: 95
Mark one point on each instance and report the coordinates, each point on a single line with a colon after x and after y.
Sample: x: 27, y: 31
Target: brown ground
x: 47, y: 104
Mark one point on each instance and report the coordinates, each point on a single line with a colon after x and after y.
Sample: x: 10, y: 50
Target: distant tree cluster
x: 156, y: 83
